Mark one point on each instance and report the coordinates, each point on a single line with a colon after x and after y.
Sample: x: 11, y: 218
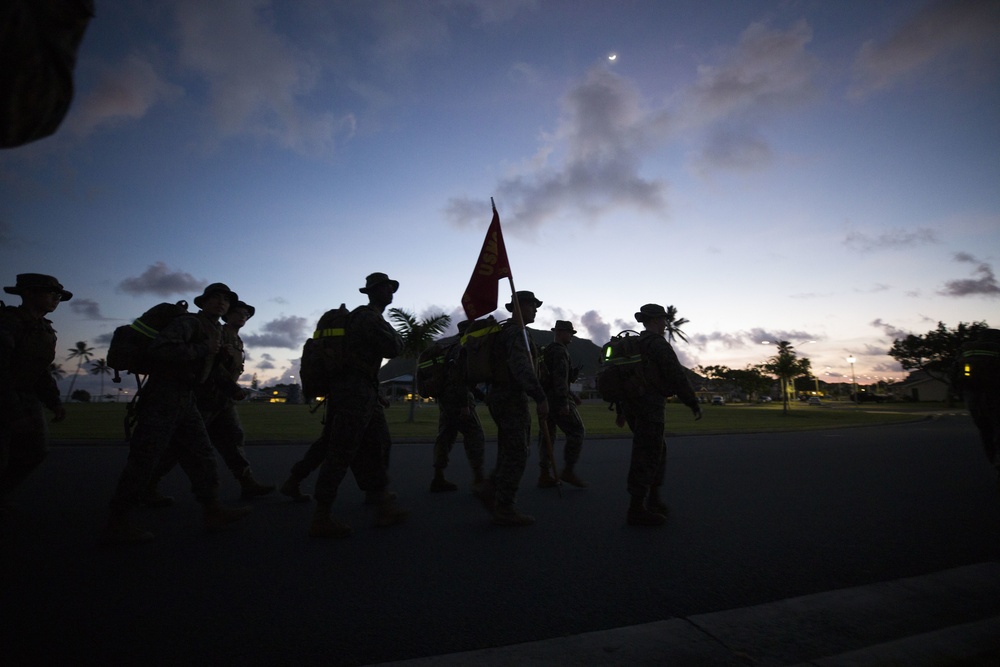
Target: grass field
x: 294, y: 423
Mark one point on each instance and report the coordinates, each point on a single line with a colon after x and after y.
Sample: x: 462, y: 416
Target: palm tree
x: 56, y: 371
x: 82, y: 354
x: 787, y: 366
x: 417, y: 337
x: 674, y: 325
x: 100, y: 367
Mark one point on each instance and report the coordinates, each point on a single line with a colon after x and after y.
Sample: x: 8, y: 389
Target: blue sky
x: 820, y: 172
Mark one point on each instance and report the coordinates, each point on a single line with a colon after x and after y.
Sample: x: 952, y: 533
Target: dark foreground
x: 756, y: 519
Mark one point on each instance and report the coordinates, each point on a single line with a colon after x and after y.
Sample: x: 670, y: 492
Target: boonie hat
x: 523, y: 295
x: 650, y: 311
x: 216, y: 288
x: 38, y: 282
x: 376, y: 279
x: 563, y: 325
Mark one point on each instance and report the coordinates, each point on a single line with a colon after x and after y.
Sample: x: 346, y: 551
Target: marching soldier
x: 557, y: 375
x: 457, y: 414
x: 184, y: 354
x: 645, y: 417
x: 515, y: 380
x: 355, y: 432
x: 216, y: 401
x: 27, y: 350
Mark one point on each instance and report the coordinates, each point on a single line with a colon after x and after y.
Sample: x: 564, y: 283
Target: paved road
x: 756, y: 519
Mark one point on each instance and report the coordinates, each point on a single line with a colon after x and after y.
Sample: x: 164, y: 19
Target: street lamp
x: 854, y: 383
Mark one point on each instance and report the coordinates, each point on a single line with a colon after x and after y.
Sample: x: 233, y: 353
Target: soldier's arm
x: 384, y: 338
x: 7, y: 344
x: 671, y: 370
x: 560, y: 393
x: 521, y: 369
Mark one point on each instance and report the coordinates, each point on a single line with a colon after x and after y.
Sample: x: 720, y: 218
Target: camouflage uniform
x: 562, y: 408
x: 645, y: 416
x: 355, y: 432
x: 514, y: 382
x: 27, y: 349
x: 457, y: 406
x: 217, y: 406
x: 168, y: 413
x: 980, y: 388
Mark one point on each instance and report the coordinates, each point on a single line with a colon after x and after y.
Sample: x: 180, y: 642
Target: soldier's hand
x: 383, y: 401
x: 214, y: 345
x: 543, y: 409
x: 620, y: 420
x: 60, y: 414
x: 696, y: 411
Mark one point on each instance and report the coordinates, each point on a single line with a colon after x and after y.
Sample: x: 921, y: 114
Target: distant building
x: 922, y: 386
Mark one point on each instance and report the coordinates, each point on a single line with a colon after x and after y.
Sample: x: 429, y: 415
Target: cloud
x: 889, y: 330
x: 125, y: 91
x: 592, y: 162
x: 256, y: 78
x: 86, y: 307
x: 751, y: 338
x: 160, y: 280
x: 940, y: 29
x: 597, y: 329
x: 768, y: 70
x: 602, y: 138
x: 985, y: 285
x: 286, y: 332
x: 893, y: 239
x: 266, y: 362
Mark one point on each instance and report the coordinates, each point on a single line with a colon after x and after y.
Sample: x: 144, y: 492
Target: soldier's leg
x: 513, y: 435
x: 228, y: 438
x: 26, y: 448
x: 644, y: 470
x: 572, y: 425
x: 474, y: 441
x: 302, y: 468
x: 447, y: 433
x: 157, y: 420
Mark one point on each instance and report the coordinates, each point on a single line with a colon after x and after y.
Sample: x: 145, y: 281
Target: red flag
x: 480, y: 296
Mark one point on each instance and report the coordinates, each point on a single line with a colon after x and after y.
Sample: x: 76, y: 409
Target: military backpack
x: 129, y: 347
x: 477, y: 345
x: 979, y: 366
x: 324, y: 355
x: 622, y: 374
x: 438, y: 366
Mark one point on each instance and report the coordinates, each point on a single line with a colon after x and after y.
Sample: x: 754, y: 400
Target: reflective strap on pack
x: 144, y: 328
x: 479, y: 333
x: 327, y: 333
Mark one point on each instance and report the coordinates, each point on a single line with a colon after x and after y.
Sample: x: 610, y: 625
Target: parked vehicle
x: 718, y: 400
x: 815, y: 400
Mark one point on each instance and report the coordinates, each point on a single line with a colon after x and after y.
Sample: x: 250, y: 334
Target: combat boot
x: 507, y: 515
x: 324, y: 525
x: 120, y: 530
x: 487, y: 494
x: 373, y: 498
x: 251, y: 488
x: 439, y: 484
x: 638, y: 515
x: 291, y: 489
x: 151, y: 496
x: 655, y: 504
x: 477, y: 480
x: 389, y: 513
x: 546, y: 480
x: 571, y: 477
x: 218, y: 517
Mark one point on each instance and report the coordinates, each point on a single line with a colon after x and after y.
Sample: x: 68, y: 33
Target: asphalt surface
x: 857, y: 545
